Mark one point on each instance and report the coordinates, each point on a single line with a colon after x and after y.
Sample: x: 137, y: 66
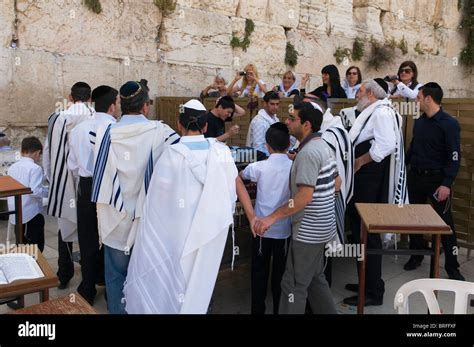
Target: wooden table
x: 22, y: 287
x: 403, y: 219
x: 11, y: 187
x: 69, y: 304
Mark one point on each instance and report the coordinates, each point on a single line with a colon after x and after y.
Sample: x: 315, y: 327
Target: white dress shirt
x: 381, y: 129
x: 82, y: 143
x: 30, y: 174
x: 258, y: 128
x: 273, y: 190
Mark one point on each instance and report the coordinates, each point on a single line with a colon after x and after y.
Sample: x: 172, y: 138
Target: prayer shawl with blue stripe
x: 183, y: 231
x: 62, y: 191
x: 124, y: 163
x: 338, y: 139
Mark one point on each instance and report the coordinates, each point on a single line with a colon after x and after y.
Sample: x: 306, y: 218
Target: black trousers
x: 370, y: 186
x: 33, y: 231
x: 65, y: 262
x: 266, y: 251
x: 92, y: 258
x: 421, y: 188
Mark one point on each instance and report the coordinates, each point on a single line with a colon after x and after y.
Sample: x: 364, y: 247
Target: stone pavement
x: 232, y: 291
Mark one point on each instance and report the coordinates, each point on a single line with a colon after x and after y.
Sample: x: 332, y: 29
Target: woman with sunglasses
x: 406, y: 86
x: 352, y: 82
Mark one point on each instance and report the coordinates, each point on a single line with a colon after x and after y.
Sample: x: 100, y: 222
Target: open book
x: 18, y: 266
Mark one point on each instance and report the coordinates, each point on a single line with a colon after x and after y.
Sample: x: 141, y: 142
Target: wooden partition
x: 167, y: 109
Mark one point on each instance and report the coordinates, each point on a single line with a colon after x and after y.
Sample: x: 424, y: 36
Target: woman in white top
x: 288, y: 86
x: 406, y: 86
x: 352, y: 82
x: 251, y: 84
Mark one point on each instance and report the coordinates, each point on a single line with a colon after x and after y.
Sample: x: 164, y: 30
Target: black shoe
x: 63, y: 285
x: 412, y: 264
x: 352, y: 287
x: 456, y: 275
x: 354, y: 301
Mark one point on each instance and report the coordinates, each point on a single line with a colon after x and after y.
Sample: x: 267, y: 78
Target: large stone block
x: 267, y: 48
x: 122, y: 29
x: 277, y: 12
x: 198, y: 37
x: 222, y: 7
x: 7, y: 16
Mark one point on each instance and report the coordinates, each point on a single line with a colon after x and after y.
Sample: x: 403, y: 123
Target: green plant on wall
x: 245, y: 42
x: 418, y: 49
x: 403, y: 46
x: 166, y: 6
x: 358, y: 49
x: 381, y: 54
x: 93, y: 5
x: 467, y: 54
x: 341, y: 54
x: 291, y: 55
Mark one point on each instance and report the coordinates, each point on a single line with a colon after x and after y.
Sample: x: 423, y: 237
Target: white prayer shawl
x: 397, y: 190
x: 62, y: 192
x: 287, y: 92
x: 181, y: 237
x: 122, y: 174
x: 348, y: 117
x: 338, y: 139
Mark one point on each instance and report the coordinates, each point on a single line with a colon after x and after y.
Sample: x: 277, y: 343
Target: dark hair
x: 103, y: 97
x: 411, y: 65
x: 81, y: 91
x: 193, y: 120
x: 359, y: 74
x: 271, y: 95
x: 226, y: 102
x: 334, y: 79
x: 278, y: 137
x: 135, y: 104
x: 434, y: 90
x: 308, y: 113
x: 31, y: 144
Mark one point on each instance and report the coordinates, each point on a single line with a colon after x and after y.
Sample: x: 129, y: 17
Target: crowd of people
x: 151, y: 209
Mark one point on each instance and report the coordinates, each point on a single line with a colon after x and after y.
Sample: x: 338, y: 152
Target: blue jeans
x: 116, y: 266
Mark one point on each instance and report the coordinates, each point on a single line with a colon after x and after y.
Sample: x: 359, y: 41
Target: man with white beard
x: 379, y: 173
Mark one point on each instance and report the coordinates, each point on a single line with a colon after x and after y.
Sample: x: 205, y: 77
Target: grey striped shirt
x: 315, y: 165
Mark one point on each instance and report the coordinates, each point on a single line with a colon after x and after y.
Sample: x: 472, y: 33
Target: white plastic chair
x: 427, y: 287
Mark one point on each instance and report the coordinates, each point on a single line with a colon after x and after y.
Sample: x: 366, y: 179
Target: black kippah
x: 382, y: 84
x: 130, y: 89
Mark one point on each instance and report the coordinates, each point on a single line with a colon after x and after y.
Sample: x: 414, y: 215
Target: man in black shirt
x: 434, y: 158
x: 217, y: 117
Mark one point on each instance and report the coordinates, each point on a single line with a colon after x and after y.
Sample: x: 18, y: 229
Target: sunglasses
x: 352, y: 73
x: 406, y: 70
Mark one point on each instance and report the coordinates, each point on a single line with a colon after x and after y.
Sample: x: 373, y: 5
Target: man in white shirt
x: 124, y: 163
x: 379, y: 173
x: 81, y: 162
x: 262, y: 121
x: 30, y: 174
x: 62, y: 189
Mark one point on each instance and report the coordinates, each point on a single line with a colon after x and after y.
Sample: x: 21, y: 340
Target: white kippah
x: 195, y: 105
x: 316, y: 106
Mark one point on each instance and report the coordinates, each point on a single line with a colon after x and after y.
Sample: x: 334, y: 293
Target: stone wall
x: 61, y: 42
